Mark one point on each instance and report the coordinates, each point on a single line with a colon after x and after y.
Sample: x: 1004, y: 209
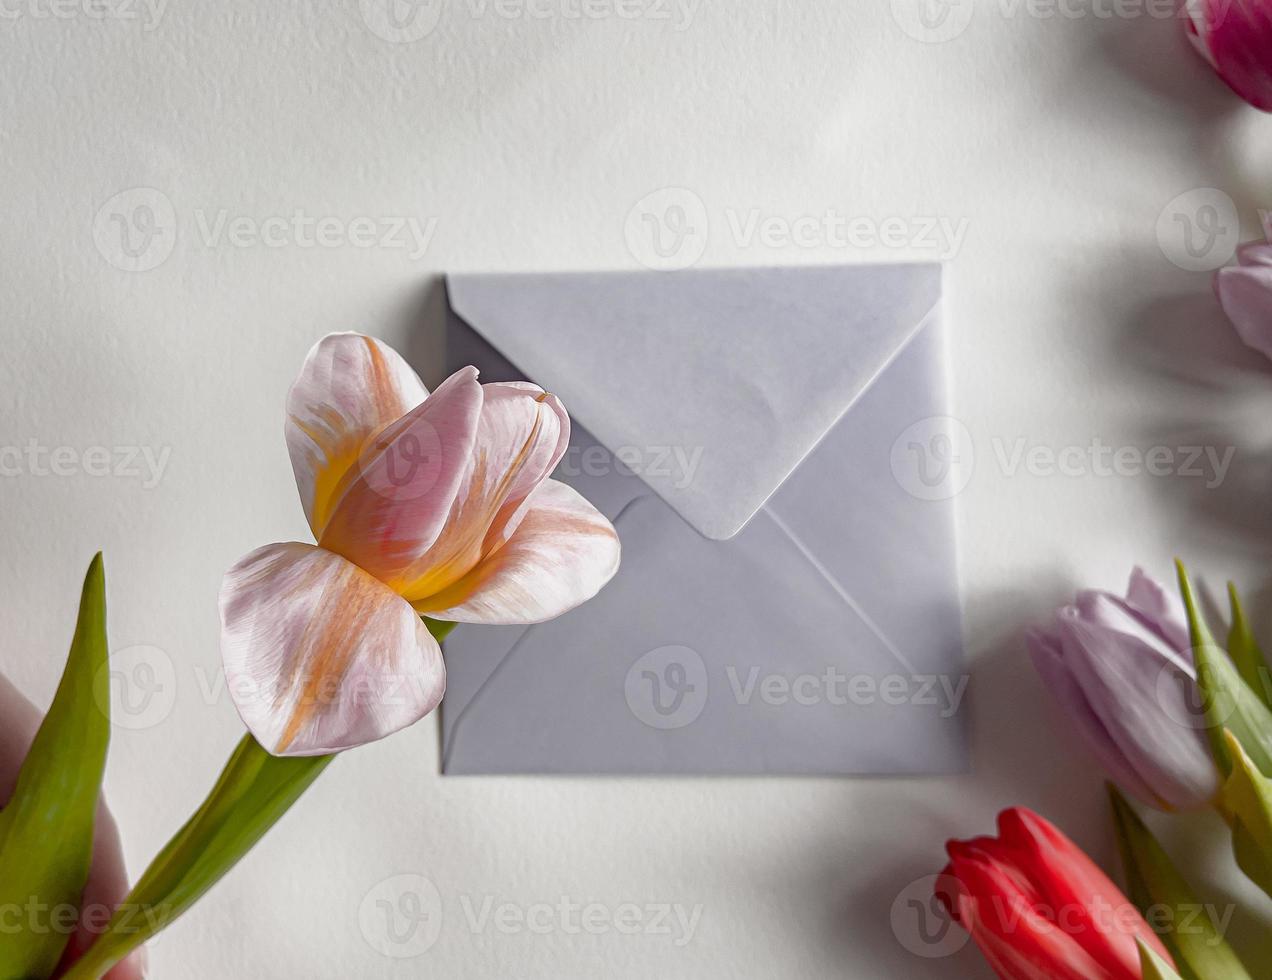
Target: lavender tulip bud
x: 1122, y: 670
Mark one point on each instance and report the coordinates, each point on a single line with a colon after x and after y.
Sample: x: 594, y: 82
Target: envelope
x: 775, y: 450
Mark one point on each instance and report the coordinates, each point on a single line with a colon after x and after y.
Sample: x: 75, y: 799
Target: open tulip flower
x: 434, y: 505
x: 1039, y: 908
x: 1235, y: 36
x: 1122, y: 671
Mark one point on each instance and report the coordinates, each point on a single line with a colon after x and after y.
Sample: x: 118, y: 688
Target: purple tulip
x: 1122, y: 670
x: 1245, y: 291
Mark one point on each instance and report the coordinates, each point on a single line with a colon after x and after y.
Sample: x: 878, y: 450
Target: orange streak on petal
x: 322, y: 657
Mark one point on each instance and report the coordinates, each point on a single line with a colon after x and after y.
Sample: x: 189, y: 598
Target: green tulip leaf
x: 1228, y: 702
x: 1153, y: 967
x: 1158, y: 890
x: 1245, y: 652
x: 252, y: 794
x: 46, y: 830
x: 1246, y: 799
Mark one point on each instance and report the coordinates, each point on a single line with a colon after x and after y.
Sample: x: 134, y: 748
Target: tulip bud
x: 1037, y: 906
x: 1122, y: 671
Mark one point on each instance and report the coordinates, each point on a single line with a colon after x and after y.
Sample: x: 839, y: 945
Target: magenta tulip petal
x: 399, y: 503
x: 321, y: 657
x: 562, y: 553
x: 1235, y: 36
x: 350, y: 388
x: 1048, y: 658
x: 1246, y: 294
x: 521, y: 435
x: 1143, y: 701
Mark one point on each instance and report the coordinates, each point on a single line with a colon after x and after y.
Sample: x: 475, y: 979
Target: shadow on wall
x: 1226, y: 389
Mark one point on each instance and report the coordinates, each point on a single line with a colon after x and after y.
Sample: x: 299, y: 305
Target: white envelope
x: 774, y: 448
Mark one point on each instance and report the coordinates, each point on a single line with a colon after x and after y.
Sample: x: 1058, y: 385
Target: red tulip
x: 1039, y: 908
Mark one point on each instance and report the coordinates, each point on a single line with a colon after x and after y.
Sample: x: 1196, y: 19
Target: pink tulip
x: 1245, y: 290
x: 422, y: 505
x: 1235, y: 36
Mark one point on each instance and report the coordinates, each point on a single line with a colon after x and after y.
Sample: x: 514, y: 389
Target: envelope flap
x: 712, y: 384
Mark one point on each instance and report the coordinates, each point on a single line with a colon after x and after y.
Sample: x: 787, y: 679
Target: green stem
x: 439, y: 629
x: 253, y: 793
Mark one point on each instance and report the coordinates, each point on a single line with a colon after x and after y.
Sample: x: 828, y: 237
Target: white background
x: 1061, y: 141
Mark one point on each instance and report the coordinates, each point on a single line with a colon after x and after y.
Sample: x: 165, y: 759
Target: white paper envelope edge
x: 784, y: 386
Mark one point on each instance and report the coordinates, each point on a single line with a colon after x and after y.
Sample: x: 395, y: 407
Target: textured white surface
x: 530, y: 139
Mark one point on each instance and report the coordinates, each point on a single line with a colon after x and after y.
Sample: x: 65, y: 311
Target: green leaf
x: 1153, y: 967
x: 254, y: 791
x: 1245, y: 652
x: 1159, y: 890
x: 439, y: 629
x: 1227, y: 701
x: 1246, y: 799
x: 46, y: 831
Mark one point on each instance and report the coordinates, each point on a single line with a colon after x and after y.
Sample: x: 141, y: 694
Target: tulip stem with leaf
x: 1245, y: 651
x: 1155, y: 886
x: 46, y: 828
x: 253, y: 792
x: 1239, y: 726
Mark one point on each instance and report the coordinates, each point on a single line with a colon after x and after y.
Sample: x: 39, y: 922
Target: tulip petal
x: 1102, y: 919
x: 522, y: 434
x: 321, y: 657
x: 506, y: 405
x: 349, y: 389
x: 399, y: 501
x: 1246, y: 294
x: 1115, y: 615
x: 1235, y: 36
x: 1048, y: 658
x: 1004, y: 919
x: 1143, y: 700
x: 562, y: 553
x: 1159, y: 606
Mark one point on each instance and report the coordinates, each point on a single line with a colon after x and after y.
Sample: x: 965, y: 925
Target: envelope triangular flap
x: 739, y: 371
